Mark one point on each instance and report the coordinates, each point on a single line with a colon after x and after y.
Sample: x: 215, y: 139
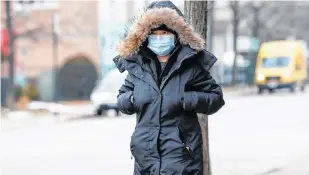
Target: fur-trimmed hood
x: 158, y: 13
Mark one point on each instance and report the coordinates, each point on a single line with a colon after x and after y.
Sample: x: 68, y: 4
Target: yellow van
x: 281, y: 64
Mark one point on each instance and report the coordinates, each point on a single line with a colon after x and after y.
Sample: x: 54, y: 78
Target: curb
x: 240, y: 91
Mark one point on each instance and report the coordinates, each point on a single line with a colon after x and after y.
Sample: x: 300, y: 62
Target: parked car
x: 104, y: 94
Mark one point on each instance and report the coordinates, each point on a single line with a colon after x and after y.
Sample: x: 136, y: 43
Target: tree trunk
x: 196, y: 15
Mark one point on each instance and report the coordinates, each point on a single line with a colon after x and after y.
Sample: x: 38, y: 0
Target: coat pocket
x: 182, y: 138
x: 134, y: 151
x: 139, y: 145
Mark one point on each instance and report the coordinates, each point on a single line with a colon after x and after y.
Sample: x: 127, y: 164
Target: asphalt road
x: 251, y: 135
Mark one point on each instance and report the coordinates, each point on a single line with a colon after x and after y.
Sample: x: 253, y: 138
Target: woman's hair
x: 165, y: 28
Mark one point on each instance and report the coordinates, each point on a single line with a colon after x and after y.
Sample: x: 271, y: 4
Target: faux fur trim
x: 153, y: 18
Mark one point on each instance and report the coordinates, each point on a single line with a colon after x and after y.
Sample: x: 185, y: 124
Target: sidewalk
x: 42, y: 113
x: 19, y: 119
x: 239, y: 91
x: 67, y: 108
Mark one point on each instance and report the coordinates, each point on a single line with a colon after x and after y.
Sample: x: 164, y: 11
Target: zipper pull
x: 188, y: 149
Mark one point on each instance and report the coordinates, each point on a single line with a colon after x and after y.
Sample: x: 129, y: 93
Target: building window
x: 29, y: 5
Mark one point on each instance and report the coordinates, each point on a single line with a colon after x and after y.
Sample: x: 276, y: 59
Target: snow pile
x: 57, y: 108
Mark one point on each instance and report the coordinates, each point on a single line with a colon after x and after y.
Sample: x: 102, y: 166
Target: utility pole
x: 255, y: 29
x: 11, y: 85
x: 55, y: 43
x: 235, y: 8
x: 256, y: 9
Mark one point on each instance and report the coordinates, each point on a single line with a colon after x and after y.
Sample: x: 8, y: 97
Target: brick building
x: 75, y: 55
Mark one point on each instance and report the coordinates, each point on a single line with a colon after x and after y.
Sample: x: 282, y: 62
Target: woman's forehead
x: 161, y: 32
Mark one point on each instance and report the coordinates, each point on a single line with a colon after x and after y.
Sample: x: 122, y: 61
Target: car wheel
x: 271, y: 90
x: 292, y: 89
x: 117, y: 113
x: 260, y: 90
x: 99, y: 111
x: 303, y: 88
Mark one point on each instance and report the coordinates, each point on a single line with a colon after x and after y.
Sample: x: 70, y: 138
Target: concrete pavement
x: 251, y: 135
x: 261, y: 135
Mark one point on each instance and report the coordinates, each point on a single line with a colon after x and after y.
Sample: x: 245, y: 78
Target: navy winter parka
x: 167, y: 138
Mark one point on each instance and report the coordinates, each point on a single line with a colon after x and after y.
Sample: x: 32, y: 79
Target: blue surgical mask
x: 161, y: 45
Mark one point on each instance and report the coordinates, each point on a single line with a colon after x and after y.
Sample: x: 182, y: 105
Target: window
x: 112, y: 81
x: 275, y: 62
x: 27, y: 5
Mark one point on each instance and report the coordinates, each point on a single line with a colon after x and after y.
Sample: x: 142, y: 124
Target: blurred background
x: 58, y: 94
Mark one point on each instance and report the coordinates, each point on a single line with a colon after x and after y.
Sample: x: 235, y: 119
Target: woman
x: 168, y: 83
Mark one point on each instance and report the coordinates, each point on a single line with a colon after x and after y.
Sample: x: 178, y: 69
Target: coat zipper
x: 184, y: 142
x: 168, y: 76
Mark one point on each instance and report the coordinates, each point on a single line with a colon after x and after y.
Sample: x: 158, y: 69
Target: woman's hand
x: 123, y: 98
x: 204, y: 95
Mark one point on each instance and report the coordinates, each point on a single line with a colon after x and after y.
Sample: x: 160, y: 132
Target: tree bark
x: 196, y: 15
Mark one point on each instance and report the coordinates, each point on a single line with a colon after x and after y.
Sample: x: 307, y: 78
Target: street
x: 251, y: 135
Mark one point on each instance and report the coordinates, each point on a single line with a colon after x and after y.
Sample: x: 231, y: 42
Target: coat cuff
x: 126, y: 102
x: 189, y: 101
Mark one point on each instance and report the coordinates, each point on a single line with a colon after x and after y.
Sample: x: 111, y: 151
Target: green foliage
x: 18, y: 92
x: 3, y: 58
x: 31, y: 91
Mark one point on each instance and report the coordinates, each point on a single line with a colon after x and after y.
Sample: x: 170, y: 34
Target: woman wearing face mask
x: 168, y: 83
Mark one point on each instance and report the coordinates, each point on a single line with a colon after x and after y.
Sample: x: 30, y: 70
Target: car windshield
x: 111, y: 82
x: 275, y: 62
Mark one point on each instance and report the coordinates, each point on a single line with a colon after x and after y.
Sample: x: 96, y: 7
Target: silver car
x: 104, y: 95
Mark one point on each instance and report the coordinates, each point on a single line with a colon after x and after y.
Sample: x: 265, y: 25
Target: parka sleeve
x: 203, y: 94
x: 123, y: 98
